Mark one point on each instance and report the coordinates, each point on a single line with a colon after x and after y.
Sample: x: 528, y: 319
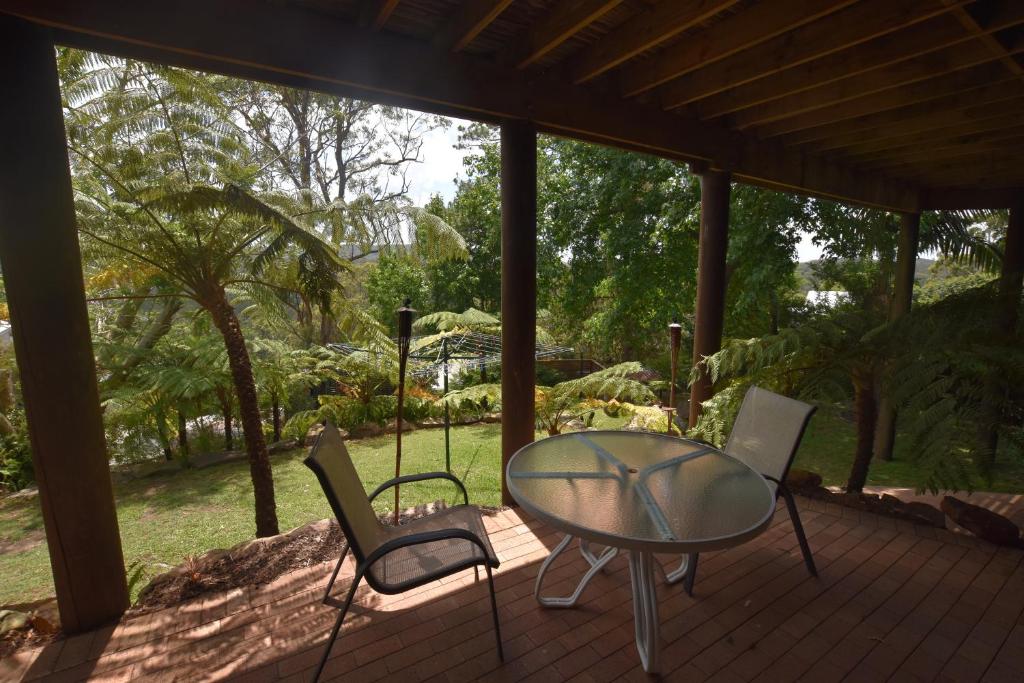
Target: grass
x: 830, y: 441
x: 164, y: 518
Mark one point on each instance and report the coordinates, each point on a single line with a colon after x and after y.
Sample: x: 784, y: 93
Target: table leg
x: 645, y: 609
x: 596, y: 564
x: 677, y: 575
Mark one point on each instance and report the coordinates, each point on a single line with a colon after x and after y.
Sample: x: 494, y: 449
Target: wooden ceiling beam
x: 904, y: 73
x: 562, y: 22
x: 729, y: 36
x: 975, y: 174
x: 997, y: 120
x: 854, y: 25
x: 469, y: 21
x: 375, y: 13
x: 299, y: 47
x: 647, y: 29
x: 925, y: 116
x: 921, y: 39
x: 947, y: 146
x: 816, y: 125
x: 1009, y: 142
x: 954, y: 198
x: 977, y: 26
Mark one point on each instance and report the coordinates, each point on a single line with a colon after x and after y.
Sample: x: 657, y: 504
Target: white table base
x: 645, y: 594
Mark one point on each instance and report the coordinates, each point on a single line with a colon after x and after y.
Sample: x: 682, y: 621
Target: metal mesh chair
x: 765, y: 436
x: 396, y: 559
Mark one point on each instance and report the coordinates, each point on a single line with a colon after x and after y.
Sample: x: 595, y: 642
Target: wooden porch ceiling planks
x: 562, y: 22
x: 846, y: 28
x: 644, y: 31
x: 977, y: 26
x: 284, y: 43
x: 867, y: 61
x: 953, y: 59
x: 739, y: 32
x: 468, y: 22
x: 375, y: 13
x: 953, y: 91
x: 925, y: 116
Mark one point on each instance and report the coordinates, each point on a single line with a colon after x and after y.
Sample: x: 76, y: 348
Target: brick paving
x: 892, y: 602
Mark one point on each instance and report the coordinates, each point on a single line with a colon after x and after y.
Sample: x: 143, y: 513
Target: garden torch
x: 675, y: 334
x: 405, y: 314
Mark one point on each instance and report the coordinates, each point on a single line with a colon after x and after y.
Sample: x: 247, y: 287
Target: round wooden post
x: 518, y: 289
x: 710, y: 314
x: 42, y: 271
x: 903, y: 293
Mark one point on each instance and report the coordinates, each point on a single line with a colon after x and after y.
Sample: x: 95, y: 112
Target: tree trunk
x: 865, y: 412
x: 276, y: 410
x: 249, y: 408
x: 229, y: 437
x: 182, y: 433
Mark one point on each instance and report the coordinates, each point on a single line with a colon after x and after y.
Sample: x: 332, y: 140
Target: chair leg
x: 794, y: 515
x: 494, y: 612
x: 337, y: 624
x: 476, y: 572
x: 691, y: 573
x: 337, y: 568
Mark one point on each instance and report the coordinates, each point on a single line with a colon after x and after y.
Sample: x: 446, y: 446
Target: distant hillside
x: 803, y: 270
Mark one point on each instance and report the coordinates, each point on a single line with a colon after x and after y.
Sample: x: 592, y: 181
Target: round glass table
x: 640, y: 492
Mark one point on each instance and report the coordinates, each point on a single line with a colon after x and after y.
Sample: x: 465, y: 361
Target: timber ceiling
x: 894, y: 103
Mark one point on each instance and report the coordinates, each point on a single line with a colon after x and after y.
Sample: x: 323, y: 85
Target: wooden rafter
x: 733, y: 34
x: 999, y: 119
x: 961, y: 56
x: 918, y: 118
x: 644, y: 31
x: 815, y: 125
x: 377, y: 12
x: 852, y: 26
x: 562, y: 22
x: 295, y: 46
x: 468, y: 22
x: 979, y: 28
x: 1011, y: 140
x: 921, y: 39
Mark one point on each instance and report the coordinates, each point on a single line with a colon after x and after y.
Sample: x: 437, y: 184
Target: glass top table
x: 641, y: 492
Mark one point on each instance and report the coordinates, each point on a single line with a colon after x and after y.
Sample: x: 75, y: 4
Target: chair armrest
x: 407, y: 478
x: 428, y: 537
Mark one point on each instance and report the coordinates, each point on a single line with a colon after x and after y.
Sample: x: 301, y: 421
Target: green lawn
x: 164, y: 518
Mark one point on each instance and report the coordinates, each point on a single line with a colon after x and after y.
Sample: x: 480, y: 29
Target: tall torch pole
x: 405, y: 314
x: 675, y: 334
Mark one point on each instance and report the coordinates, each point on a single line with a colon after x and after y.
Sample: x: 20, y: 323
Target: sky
x: 442, y: 162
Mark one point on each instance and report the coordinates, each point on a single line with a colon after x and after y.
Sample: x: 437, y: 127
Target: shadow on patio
x: 893, y: 601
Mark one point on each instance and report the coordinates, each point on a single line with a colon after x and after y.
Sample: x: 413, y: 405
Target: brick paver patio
x: 893, y: 602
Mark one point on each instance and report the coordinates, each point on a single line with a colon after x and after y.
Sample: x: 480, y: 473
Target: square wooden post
x: 710, y: 313
x: 42, y: 272
x: 518, y: 289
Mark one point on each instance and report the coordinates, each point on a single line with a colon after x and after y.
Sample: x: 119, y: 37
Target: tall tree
x: 164, y: 180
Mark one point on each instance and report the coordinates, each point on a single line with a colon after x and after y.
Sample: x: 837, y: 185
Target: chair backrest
x: 767, y: 431
x: 333, y: 466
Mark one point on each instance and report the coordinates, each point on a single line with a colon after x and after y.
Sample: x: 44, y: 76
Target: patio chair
x: 396, y: 559
x: 765, y: 436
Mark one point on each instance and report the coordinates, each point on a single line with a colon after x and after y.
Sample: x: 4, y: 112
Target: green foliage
x: 391, y: 282
x: 557, y: 404
x: 16, y: 471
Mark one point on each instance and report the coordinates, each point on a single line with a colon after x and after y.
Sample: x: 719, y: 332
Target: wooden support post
x: 518, y: 289
x: 903, y: 293
x: 711, y: 283
x: 42, y: 272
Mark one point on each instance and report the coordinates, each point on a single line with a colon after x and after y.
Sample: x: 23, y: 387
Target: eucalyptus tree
x: 165, y: 181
